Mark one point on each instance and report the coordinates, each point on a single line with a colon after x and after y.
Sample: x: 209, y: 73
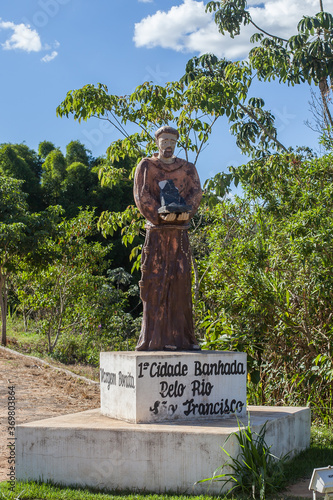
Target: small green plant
x: 256, y: 471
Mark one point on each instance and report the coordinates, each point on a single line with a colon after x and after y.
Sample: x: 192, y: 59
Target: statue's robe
x: 165, y: 286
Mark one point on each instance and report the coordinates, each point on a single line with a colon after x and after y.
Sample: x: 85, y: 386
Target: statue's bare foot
x: 170, y: 348
x: 193, y: 347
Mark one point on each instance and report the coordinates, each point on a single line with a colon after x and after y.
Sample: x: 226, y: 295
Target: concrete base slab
x: 89, y: 449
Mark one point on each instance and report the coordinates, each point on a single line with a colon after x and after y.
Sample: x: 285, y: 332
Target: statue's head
x: 166, y: 139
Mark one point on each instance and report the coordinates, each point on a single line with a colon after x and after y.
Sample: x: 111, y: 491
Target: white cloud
x: 27, y: 39
x: 23, y: 37
x: 145, y: 1
x: 188, y: 28
x: 171, y: 29
x: 54, y: 45
x: 49, y: 57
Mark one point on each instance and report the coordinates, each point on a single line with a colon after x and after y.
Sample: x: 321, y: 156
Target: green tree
x: 30, y: 157
x: 54, y: 173
x: 252, y: 125
x: 193, y: 105
x: 76, y: 188
x: 55, y: 288
x: 266, y: 282
x: 44, y: 148
x: 21, y: 237
x: 74, y: 303
x: 76, y: 152
x: 193, y: 108
x: 307, y: 56
x: 13, y: 209
x: 20, y: 162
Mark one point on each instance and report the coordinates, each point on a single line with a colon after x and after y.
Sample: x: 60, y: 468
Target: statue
x: 167, y: 192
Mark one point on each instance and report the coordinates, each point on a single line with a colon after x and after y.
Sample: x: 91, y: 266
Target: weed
x: 256, y: 471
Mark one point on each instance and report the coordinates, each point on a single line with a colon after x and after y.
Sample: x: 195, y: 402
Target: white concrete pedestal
x: 150, y: 387
x: 89, y: 449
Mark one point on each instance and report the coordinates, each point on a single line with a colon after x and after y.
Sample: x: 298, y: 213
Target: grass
x: 33, y: 344
x: 38, y: 491
x: 320, y: 454
x: 26, y: 342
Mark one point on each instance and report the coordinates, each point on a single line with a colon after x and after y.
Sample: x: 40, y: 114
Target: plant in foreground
x: 256, y: 471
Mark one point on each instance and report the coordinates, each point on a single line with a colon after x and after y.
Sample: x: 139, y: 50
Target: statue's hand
x: 168, y: 217
x: 183, y: 216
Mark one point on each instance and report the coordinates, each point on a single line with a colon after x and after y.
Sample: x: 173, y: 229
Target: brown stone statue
x: 167, y: 192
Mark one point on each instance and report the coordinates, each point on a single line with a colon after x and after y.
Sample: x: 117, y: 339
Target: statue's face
x: 166, y: 145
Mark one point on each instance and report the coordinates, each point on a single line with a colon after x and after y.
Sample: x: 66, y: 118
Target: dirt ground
x: 301, y: 490
x: 42, y: 392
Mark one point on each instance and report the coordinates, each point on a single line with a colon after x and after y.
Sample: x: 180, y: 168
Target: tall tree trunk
x: 24, y: 314
x: 3, y: 308
x: 324, y: 92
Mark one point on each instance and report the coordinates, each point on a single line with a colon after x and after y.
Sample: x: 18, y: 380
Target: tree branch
x: 263, y: 128
x: 266, y: 33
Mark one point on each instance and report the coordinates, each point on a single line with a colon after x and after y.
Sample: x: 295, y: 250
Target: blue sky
x: 48, y: 47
